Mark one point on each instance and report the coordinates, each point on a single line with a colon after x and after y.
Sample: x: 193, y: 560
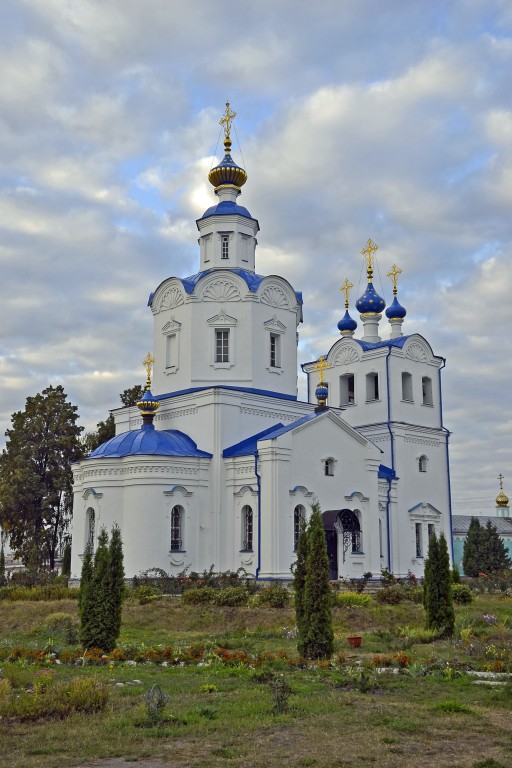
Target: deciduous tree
x: 36, y: 477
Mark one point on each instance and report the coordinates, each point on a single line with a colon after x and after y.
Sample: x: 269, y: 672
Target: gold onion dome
x: 501, y: 498
x: 227, y: 173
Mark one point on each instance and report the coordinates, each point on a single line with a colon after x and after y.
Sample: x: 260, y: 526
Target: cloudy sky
x: 389, y: 119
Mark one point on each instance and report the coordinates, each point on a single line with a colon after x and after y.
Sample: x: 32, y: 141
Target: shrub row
x: 45, y: 592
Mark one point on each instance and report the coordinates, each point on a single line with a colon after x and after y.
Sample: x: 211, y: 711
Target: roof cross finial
x: 501, y: 478
x: 147, y: 363
x: 226, y: 121
x: 369, y: 253
x: 320, y: 367
x: 393, y: 274
x: 345, y: 288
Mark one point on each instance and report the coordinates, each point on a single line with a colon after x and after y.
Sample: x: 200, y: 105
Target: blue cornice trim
x: 264, y: 392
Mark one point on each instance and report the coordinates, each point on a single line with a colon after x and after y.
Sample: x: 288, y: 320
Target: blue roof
x: 265, y: 392
x: 366, y: 345
x: 148, y: 441
x: 226, y: 208
x: 252, y: 280
x: 248, y: 446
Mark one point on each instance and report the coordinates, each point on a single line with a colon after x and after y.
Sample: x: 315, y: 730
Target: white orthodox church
x: 220, y: 461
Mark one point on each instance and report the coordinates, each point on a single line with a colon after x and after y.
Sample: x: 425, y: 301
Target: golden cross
x: 369, y: 253
x: 226, y: 120
x: 393, y: 274
x: 320, y: 367
x: 345, y: 288
x: 501, y: 478
x: 147, y: 363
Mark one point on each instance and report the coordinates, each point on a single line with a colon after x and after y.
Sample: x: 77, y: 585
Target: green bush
x: 231, y: 596
x: 462, y: 594
x: 275, y: 596
x: 65, y: 625
x: 199, y: 596
x: 145, y: 594
x: 391, y: 595
x: 351, y: 599
x: 398, y: 593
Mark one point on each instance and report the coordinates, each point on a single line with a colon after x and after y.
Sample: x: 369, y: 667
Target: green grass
x: 223, y: 716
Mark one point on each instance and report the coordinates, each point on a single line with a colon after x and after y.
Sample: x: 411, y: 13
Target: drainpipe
x: 392, y: 443
x: 447, y: 432
x: 258, y: 481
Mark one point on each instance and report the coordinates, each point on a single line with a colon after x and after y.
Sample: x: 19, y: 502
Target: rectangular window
x: 224, y: 246
x: 431, y: 530
x: 380, y: 538
x: 407, y: 387
x: 222, y: 346
x: 275, y: 357
x: 426, y: 388
x: 419, y: 540
x: 170, y: 351
x: 347, y: 389
x: 372, y: 386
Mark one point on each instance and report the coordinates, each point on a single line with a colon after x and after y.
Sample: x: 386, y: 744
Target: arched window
x: 329, y: 467
x: 407, y: 386
x: 90, y: 523
x: 177, y: 528
x: 426, y: 388
x: 299, y: 518
x: 247, y: 525
x: 422, y: 463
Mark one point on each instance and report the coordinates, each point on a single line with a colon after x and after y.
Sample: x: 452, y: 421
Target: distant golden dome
x: 501, y: 499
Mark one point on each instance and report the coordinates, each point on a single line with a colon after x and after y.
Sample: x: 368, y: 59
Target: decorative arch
x: 221, y: 290
x: 275, y: 296
x: 173, y: 297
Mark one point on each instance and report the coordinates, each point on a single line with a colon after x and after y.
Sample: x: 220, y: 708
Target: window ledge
x: 373, y: 400
x: 246, y: 550
x: 428, y: 405
x: 407, y: 400
x: 173, y: 551
x: 346, y: 405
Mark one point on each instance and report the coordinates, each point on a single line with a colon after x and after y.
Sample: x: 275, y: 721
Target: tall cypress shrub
x: 472, y: 549
x: 437, y: 587
x: 96, y: 627
x: 3, y: 578
x: 299, y: 581
x: 318, y: 636
x: 117, y: 579
x: 85, y: 582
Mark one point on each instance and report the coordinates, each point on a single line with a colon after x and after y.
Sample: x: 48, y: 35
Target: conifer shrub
x: 437, y: 587
x: 102, y: 592
x: 299, y: 578
x: 316, y: 635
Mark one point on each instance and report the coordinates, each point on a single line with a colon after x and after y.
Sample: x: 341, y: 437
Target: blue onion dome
x: 347, y: 324
x: 396, y: 311
x: 227, y: 172
x: 370, y: 302
x: 321, y: 392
